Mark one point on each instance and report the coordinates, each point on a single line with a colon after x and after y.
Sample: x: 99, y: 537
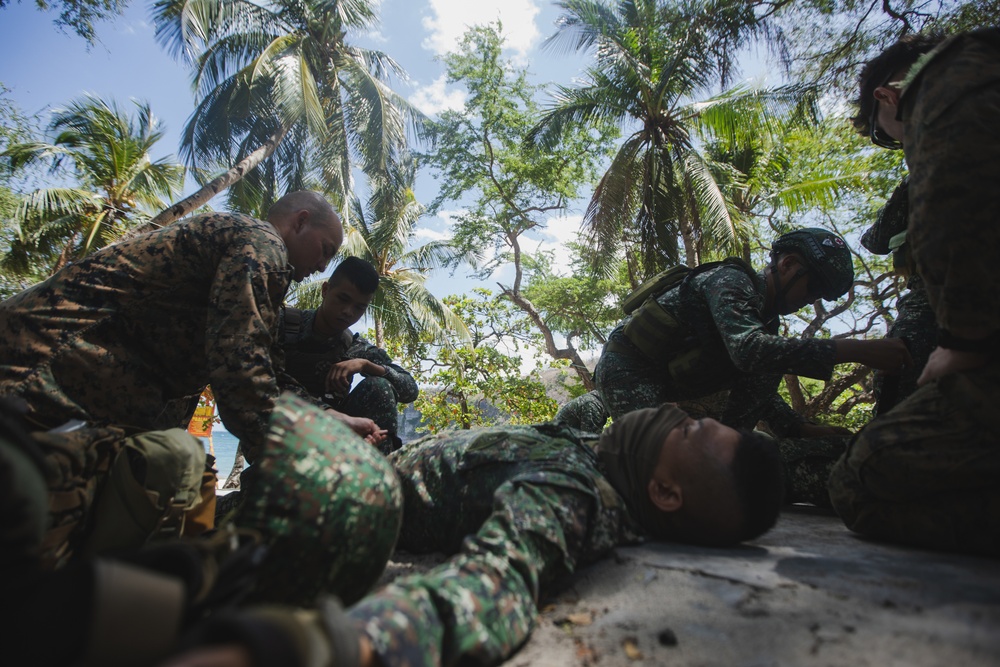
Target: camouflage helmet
x: 327, y: 504
x: 827, y: 256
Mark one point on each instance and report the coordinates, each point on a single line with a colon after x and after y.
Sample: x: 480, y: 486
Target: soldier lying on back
x: 323, y: 355
x: 518, y: 506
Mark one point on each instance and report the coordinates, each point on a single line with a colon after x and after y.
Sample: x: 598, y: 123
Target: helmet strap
x: 781, y: 291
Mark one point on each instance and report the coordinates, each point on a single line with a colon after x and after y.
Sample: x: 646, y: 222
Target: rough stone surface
x: 807, y: 593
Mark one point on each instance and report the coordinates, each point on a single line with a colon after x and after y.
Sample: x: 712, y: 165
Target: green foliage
x: 583, y: 306
x: 107, y: 153
x: 651, y: 58
x: 826, y: 41
x: 81, y: 15
x: 481, y: 150
x: 382, y: 233
x: 286, y: 71
x: 462, y: 379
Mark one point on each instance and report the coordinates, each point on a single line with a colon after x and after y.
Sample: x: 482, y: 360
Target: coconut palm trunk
x: 213, y: 187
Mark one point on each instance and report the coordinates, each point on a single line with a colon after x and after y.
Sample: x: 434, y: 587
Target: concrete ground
x: 807, y: 593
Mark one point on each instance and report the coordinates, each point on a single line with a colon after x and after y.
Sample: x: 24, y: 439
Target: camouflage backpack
x: 655, y: 331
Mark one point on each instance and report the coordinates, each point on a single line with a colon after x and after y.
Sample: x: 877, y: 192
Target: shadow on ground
x: 807, y: 593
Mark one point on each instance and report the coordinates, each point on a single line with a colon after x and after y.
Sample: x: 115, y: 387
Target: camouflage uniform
x: 521, y: 505
x: 309, y: 357
x: 327, y: 504
x: 730, y: 347
x: 914, y: 321
x: 327, y: 508
x: 119, y: 338
x: 928, y: 472
x: 121, y: 334
x: 585, y: 413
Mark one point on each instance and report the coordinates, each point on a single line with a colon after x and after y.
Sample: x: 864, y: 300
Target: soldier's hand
x: 886, y: 354
x: 377, y: 437
x: 944, y: 361
x: 362, y: 426
x: 341, y: 375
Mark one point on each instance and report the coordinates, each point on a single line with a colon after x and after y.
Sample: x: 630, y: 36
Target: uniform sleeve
x: 735, y: 307
x: 890, y: 221
x: 244, y: 299
x: 402, y: 382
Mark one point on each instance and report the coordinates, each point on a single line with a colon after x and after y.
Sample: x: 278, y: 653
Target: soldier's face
x: 695, y: 439
x: 312, y: 244
x: 343, y: 304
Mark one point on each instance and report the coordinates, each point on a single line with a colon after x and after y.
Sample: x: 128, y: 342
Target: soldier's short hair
x: 319, y: 208
x: 760, y: 484
x: 360, y: 273
x: 879, y: 69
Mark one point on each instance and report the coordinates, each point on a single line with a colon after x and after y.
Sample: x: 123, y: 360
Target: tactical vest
x: 655, y: 331
x: 310, y: 361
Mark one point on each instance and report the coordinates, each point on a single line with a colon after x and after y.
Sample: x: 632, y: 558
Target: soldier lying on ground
x: 117, y: 338
x: 928, y: 472
x: 717, y: 329
x: 323, y: 355
x: 521, y: 506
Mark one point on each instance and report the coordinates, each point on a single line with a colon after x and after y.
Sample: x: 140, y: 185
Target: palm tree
x: 652, y: 57
x: 118, y: 184
x: 382, y: 233
x: 267, y: 72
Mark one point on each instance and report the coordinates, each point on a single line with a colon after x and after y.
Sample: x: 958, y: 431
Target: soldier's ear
x: 666, y: 495
x: 887, y: 95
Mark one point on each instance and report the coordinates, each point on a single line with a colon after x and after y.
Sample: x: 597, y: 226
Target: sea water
x: 224, y: 444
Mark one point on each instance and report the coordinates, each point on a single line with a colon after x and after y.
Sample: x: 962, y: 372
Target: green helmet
x: 826, y: 255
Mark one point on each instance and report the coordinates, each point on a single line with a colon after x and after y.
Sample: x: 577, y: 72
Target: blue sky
x: 45, y: 69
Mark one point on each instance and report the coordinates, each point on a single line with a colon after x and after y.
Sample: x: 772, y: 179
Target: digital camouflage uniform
x: 728, y: 346
x: 327, y: 504
x: 521, y: 505
x: 927, y: 472
x: 585, y: 413
x: 309, y: 357
x: 118, y: 336
x: 914, y: 321
x: 323, y: 519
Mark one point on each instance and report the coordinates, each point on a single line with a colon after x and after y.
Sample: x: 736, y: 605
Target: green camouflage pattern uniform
x: 118, y: 336
x: 522, y: 505
x: 309, y: 357
x: 327, y: 504
x: 585, y: 413
x: 722, y: 310
x: 927, y: 473
x: 914, y: 320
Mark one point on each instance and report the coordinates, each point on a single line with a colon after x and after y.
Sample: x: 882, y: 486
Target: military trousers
x: 927, y: 473
x: 480, y: 606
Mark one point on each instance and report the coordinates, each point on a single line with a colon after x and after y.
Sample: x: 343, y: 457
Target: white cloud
x: 426, y: 235
x: 434, y: 99
x: 450, y: 19
x: 564, y: 229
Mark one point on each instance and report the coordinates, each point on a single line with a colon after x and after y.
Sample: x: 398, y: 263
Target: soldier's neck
x: 322, y: 327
